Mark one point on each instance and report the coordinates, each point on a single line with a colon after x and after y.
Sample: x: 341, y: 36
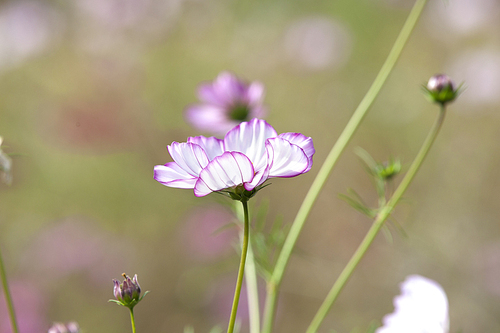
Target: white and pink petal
x: 303, y: 142
x: 285, y: 158
x: 212, y: 146
x: 250, y: 138
x: 228, y: 170
x: 189, y: 156
x: 172, y: 175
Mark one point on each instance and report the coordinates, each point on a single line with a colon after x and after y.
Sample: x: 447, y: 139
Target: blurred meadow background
x: 92, y: 92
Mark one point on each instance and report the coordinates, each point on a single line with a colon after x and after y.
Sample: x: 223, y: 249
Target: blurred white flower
x: 120, y: 14
x: 27, y: 28
x: 462, y: 17
x: 123, y: 26
x: 422, y: 307
x: 480, y: 70
x: 317, y: 43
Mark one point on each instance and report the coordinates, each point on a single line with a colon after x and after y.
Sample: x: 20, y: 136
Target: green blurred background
x: 92, y: 91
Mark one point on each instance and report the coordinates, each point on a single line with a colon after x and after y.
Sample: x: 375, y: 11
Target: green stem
x: 381, y: 217
x: 132, y: 320
x: 8, y: 297
x: 250, y: 282
x: 252, y: 292
x: 331, y: 160
x: 241, y: 270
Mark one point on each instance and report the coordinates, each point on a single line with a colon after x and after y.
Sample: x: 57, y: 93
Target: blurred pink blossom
x: 487, y: 263
x: 27, y: 28
x: 226, y: 102
x: 71, y: 327
x: 121, y: 27
x: 201, y: 236
x: 29, y: 307
x: 76, y: 246
x: 317, y: 43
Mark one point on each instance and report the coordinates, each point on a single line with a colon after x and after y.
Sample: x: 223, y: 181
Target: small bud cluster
x: 441, y: 89
x: 71, y: 327
x: 387, y: 170
x: 128, y: 293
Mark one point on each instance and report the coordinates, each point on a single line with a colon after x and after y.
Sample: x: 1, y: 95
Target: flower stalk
x: 241, y: 270
x: 8, y: 297
x: 274, y: 283
x: 381, y: 217
x: 132, y: 319
x: 250, y: 280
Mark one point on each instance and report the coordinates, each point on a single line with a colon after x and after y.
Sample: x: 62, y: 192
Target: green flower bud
x: 387, y: 170
x: 441, y: 89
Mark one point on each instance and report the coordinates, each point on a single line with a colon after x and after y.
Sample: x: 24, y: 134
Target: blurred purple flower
x: 317, y: 43
x: 250, y: 153
x: 27, y: 28
x: 226, y: 102
x: 208, y: 221
x: 29, y: 306
x: 71, y: 327
x: 75, y: 246
x: 422, y: 307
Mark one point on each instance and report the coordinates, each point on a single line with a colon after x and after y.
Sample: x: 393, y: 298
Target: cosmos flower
x: 422, y: 307
x: 226, y: 102
x: 249, y: 154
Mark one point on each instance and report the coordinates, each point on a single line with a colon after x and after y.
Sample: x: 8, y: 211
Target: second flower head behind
x: 249, y: 154
x: 226, y: 102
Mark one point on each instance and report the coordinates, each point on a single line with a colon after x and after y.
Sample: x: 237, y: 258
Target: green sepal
x: 131, y: 304
x: 115, y: 301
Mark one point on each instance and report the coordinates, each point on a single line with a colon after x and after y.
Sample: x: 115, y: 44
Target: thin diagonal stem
x: 331, y: 160
x: 241, y: 270
x: 381, y: 217
x: 8, y: 297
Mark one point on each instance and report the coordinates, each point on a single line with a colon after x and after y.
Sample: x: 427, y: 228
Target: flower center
x: 239, y: 113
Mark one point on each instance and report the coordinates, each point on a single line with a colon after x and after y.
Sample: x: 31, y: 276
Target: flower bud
x: 441, y: 89
x: 128, y: 293
x: 71, y: 327
x: 388, y: 170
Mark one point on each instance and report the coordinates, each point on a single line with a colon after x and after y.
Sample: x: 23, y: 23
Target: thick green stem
x: 241, y: 270
x: 250, y: 281
x: 331, y: 160
x: 8, y: 297
x: 381, y: 217
x: 132, y: 320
